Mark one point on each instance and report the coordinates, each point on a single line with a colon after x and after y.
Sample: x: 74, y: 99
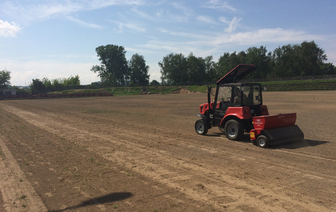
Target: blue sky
x: 57, y: 38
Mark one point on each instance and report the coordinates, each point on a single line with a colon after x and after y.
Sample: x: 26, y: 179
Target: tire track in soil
x: 17, y: 192
x: 207, y: 185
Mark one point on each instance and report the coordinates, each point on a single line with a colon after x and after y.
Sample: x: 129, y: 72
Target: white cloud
x: 188, y: 35
x: 275, y: 35
x: 163, y: 48
x: 218, y: 4
x: 205, y: 44
x: 85, y: 24
x: 96, y: 4
x: 142, y: 14
x: 22, y: 73
x: 206, y: 19
x: 132, y: 26
x: 8, y: 29
x: 180, y: 14
x: 186, y: 11
x: 53, y: 9
x: 233, y: 25
x: 223, y: 19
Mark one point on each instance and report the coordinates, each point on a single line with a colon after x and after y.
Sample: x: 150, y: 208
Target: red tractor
x: 238, y: 108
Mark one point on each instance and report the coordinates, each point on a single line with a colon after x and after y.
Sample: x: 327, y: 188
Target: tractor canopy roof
x: 237, y: 74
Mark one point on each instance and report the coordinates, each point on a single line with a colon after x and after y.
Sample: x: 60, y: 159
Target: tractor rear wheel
x: 201, y: 127
x: 234, y: 130
x: 262, y: 141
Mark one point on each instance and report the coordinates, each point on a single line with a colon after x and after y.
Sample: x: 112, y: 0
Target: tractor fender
x: 237, y: 113
x: 205, y: 119
x: 227, y: 118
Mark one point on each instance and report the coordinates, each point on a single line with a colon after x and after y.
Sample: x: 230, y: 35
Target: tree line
x: 40, y: 86
x: 46, y: 85
x: 305, y: 59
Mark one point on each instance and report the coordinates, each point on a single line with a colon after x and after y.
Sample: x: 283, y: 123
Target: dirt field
x: 141, y: 153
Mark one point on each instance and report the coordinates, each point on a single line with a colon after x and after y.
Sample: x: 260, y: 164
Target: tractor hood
x: 237, y: 74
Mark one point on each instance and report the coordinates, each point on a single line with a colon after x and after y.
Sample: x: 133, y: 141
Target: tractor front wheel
x: 201, y: 127
x: 262, y: 141
x: 234, y: 130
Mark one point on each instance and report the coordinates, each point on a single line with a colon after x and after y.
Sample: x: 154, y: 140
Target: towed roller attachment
x: 275, y: 129
x: 284, y: 135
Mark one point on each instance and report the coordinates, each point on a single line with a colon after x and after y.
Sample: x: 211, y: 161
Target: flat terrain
x: 141, y: 153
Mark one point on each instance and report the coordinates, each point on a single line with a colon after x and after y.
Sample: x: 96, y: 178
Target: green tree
x: 4, y: 78
x: 48, y: 85
x: 298, y: 60
x: 261, y: 59
x: 113, y: 69
x: 58, y: 84
x: 196, y: 70
x: 37, y: 87
x: 138, y: 70
x: 226, y: 62
x: 72, y: 81
x: 312, y: 58
x: 286, y: 61
x: 174, y: 69
x: 329, y: 68
x: 210, y: 70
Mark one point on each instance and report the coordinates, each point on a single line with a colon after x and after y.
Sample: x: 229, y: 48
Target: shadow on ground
x: 299, y: 144
x: 215, y: 134
x: 99, y: 200
x: 291, y: 145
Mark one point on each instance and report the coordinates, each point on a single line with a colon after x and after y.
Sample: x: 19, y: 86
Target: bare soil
x: 141, y: 153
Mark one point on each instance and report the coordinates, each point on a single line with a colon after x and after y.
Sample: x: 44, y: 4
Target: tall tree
x: 174, y: 69
x: 210, y: 70
x: 228, y: 61
x: 312, y: 58
x: 138, y: 70
x: 295, y: 60
x: 48, y: 85
x: 286, y: 61
x: 260, y: 58
x: 4, y: 78
x: 37, y: 87
x: 113, y: 69
x: 196, y: 69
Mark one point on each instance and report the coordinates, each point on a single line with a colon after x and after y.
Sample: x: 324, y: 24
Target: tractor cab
x: 238, y: 95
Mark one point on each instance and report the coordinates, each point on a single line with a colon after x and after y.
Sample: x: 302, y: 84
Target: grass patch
x: 300, y: 85
x: 299, y: 81
x: 195, y: 88
x: 23, y: 197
